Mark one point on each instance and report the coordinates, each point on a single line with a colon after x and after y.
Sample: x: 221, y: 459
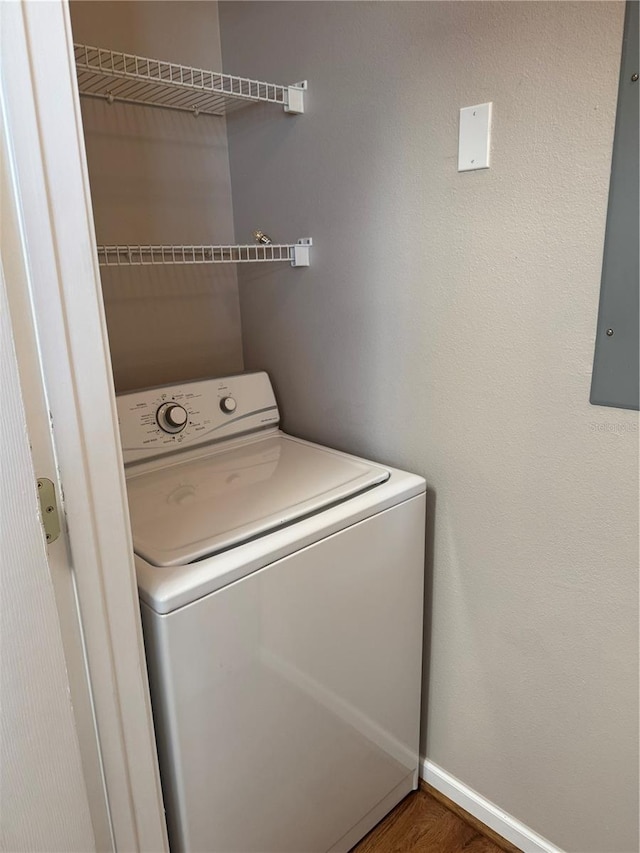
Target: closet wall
x: 447, y: 325
x: 159, y: 176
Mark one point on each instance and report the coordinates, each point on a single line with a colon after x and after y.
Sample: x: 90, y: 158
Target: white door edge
x: 14, y: 274
x: 48, y: 173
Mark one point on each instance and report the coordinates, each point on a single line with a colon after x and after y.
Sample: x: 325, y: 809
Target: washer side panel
x: 296, y: 688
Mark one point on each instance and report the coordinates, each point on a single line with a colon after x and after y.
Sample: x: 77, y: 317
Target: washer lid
x: 195, y: 508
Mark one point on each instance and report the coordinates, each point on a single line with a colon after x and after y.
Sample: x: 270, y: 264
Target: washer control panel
x: 162, y: 420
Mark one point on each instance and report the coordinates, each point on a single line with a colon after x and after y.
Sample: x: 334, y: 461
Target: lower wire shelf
x: 297, y: 254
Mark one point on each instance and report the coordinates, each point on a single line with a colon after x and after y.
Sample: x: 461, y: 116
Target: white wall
x: 159, y: 176
x: 447, y: 325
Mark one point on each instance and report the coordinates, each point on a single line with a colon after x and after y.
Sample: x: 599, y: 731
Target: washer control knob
x: 228, y: 405
x: 171, y: 417
x: 176, y: 416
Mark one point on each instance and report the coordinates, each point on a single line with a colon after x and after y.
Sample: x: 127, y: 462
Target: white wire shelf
x: 115, y: 76
x: 124, y: 256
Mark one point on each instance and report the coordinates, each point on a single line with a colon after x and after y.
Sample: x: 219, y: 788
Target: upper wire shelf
x: 116, y: 76
x: 118, y: 256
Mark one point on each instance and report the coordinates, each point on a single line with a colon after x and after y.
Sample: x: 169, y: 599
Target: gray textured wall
x: 447, y: 325
x: 159, y: 176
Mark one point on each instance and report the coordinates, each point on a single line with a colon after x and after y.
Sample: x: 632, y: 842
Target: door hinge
x: 49, y: 509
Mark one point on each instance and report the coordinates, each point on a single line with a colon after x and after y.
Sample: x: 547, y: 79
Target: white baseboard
x: 504, y: 824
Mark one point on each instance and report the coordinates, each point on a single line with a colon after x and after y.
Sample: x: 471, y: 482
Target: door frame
x: 62, y: 294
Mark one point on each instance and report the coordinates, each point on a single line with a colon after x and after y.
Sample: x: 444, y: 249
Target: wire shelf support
x: 297, y: 254
x: 115, y: 76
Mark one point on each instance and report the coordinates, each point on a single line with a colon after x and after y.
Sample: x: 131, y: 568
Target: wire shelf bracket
x: 132, y: 79
x: 297, y: 254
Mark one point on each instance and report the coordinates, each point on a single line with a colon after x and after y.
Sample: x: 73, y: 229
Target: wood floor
x: 424, y: 824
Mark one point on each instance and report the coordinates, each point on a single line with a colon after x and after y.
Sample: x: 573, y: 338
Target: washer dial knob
x: 228, y: 405
x: 172, y: 417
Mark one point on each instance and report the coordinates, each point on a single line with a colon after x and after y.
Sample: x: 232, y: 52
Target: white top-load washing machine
x: 281, y: 588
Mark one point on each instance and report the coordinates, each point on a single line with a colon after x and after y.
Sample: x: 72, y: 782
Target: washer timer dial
x: 172, y: 417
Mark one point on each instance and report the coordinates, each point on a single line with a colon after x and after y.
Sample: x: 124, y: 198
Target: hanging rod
x: 118, y: 256
x: 114, y: 76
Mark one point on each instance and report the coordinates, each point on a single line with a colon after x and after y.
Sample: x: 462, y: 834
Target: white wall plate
x: 475, y: 137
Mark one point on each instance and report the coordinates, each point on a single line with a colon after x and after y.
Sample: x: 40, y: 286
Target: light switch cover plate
x: 474, y: 143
